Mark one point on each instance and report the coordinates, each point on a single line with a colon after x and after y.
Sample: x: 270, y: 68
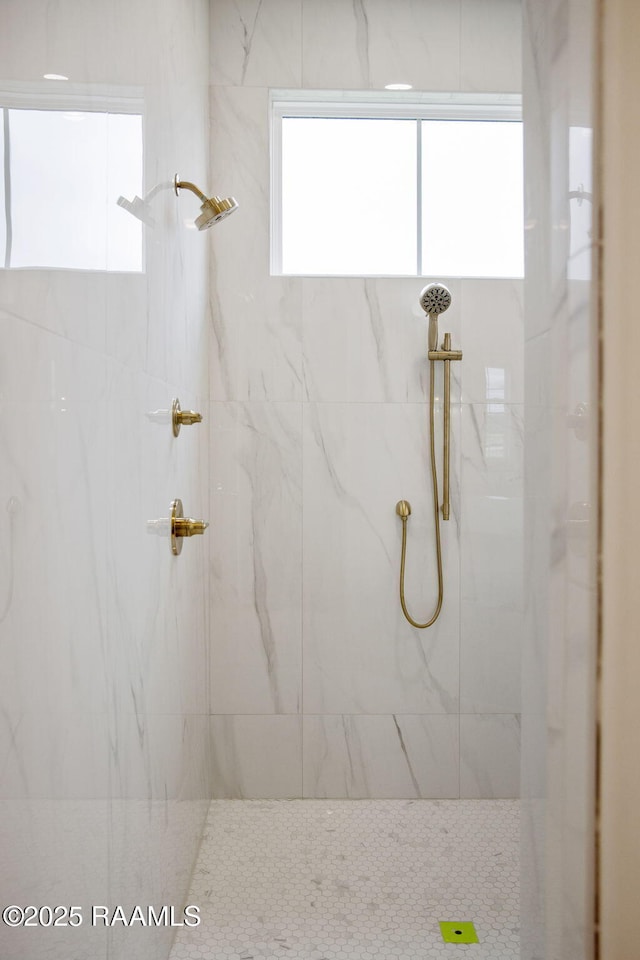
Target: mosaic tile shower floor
x: 354, y: 880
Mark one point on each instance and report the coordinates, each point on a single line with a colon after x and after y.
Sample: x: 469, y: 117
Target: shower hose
x: 436, y: 515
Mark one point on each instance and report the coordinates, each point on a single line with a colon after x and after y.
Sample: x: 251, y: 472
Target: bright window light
x: 472, y: 202
x: 349, y: 196
x: 397, y: 188
x: 67, y: 169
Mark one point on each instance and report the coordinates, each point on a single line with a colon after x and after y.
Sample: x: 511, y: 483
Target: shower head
x: 435, y: 299
x: 213, y: 209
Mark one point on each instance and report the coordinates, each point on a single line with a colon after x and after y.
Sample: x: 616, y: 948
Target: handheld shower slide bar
x: 434, y: 300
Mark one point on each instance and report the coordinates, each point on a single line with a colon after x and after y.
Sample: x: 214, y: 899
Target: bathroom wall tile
x: 8, y: 730
x: 51, y: 486
x: 131, y: 55
x: 360, y: 654
x: 126, y: 306
x: 159, y: 663
x: 256, y: 329
x: 115, y: 44
x: 255, y: 318
x: 380, y: 757
x: 490, y: 657
x: 256, y: 512
x: 240, y: 164
x: 491, y: 614
x: 373, y: 43
x: 53, y: 648
x: 134, y: 51
x: 492, y: 341
x: 102, y: 631
x: 366, y: 340
x: 142, y: 462
x: 491, y: 25
x: 256, y: 43
x: 70, y: 303
x: 60, y: 755
x: 491, y: 604
x: 489, y: 756
x: 256, y: 757
x: 58, y: 45
x: 492, y: 449
x: 159, y: 756
x: 491, y: 569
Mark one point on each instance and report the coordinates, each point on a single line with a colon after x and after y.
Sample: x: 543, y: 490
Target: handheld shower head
x: 435, y: 298
x: 213, y: 209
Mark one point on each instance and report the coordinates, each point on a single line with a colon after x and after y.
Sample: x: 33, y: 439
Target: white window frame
x: 375, y: 104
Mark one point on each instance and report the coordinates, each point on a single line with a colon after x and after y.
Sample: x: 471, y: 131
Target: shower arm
x: 187, y: 185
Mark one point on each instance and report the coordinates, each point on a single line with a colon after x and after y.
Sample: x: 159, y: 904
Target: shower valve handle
x: 182, y: 418
x: 176, y: 527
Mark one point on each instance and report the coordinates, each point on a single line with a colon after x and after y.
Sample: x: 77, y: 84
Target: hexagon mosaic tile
x: 354, y: 880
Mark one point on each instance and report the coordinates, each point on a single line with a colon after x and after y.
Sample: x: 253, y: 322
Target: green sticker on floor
x: 458, y: 932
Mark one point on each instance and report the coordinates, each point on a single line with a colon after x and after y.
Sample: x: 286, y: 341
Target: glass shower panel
x: 3, y: 219
x: 581, y: 202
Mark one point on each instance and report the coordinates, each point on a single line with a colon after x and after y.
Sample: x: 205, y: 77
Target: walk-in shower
x: 255, y: 727
x: 435, y: 298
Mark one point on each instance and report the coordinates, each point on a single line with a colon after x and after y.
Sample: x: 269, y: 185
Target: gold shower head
x: 213, y: 209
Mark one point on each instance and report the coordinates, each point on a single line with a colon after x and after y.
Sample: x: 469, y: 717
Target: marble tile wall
x: 104, y: 744
x: 560, y: 492
x: 319, y: 687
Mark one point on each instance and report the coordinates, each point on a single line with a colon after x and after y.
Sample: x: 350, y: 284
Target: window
x: 65, y: 164
x: 427, y: 187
